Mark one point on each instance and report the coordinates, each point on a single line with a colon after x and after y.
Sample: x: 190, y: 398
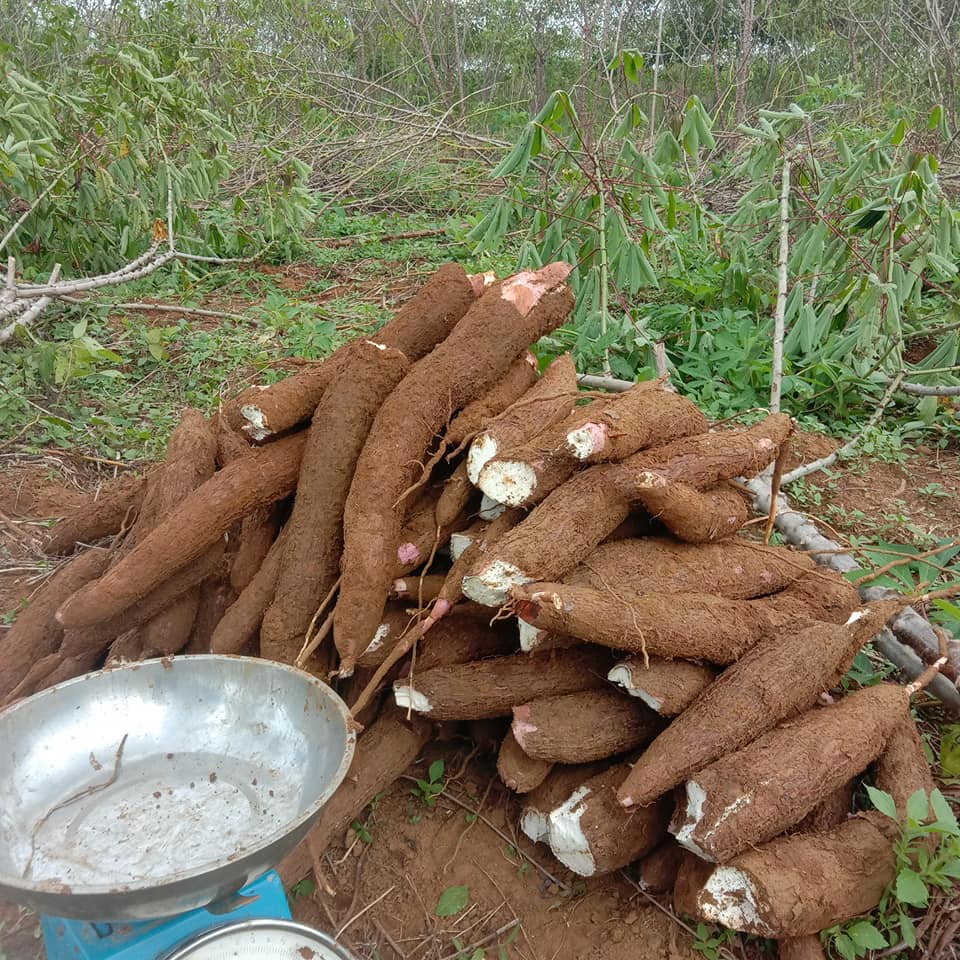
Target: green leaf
x: 866, y: 935
x: 918, y: 806
x: 845, y: 947
x: 936, y: 117
x: 883, y: 802
x: 452, y: 901
x: 950, y: 751
x: 946, y: 819
x: 908, y: 931
x: 436, y: 770
x: 911, y: 889
x: 952, y: 869
x: 304, y: 887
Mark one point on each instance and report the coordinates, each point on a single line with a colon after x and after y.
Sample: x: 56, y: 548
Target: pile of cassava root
x: 448, y: 535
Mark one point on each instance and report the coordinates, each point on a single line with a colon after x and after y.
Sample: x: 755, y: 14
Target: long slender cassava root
x: 264, y: 413
x: 310, y: 560
x: 102, y: 514
x: 511, y: 315
x: 265, y: 476
x: 491, y: 688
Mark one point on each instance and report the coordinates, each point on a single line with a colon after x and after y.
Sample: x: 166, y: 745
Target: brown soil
x: 879, y: 500
x: 417, y: 852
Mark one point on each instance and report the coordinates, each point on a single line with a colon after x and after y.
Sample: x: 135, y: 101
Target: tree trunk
x: 747, y: 8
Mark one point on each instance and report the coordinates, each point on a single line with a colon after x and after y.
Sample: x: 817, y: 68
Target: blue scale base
x: 148, y: 939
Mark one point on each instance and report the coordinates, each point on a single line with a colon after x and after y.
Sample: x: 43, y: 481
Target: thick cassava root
x: 667, y: 687
x: 603, y: 430
x: 591, y: 834
x: 757, y: 793
x: 518, y: 771
x: 491, y: 688
x: 773, y: 681
x: 800, y: 884
x: 544, y: 404
x: 582, y: 726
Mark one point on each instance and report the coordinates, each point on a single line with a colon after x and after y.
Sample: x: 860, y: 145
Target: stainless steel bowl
x: 158, y: 787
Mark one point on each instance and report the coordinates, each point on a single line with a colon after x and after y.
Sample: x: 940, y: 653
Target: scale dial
x: 260, y: 940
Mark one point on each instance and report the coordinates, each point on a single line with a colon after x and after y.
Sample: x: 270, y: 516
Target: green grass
x: 112, y: 384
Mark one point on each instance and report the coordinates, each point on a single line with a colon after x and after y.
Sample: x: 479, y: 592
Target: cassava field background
x: 716, y: 172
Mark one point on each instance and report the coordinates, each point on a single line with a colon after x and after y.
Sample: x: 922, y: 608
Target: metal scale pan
x: 155, y: 788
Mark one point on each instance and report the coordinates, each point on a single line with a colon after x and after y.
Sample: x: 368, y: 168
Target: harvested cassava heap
x: 426, y: 521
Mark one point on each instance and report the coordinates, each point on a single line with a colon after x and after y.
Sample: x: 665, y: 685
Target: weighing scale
x: 142, y: 808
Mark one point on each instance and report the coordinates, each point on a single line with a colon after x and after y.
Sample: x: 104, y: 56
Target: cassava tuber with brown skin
x: 191, y: 455
x: 558, y: 785
x: 902, y: 768
x: 583, y: 725
x: 257, y: 533
x: 623, y: 614
x: 104, y: 513
x: 755, y: 794
x: 268, y: 474
x: 802, y: 883
x: 521, y: 376
x: 801, y: 948
x: 263, y: 413
x: 519, y: 772
x: 692, y: 515
x: 591, y: 834
x: 547, y: 402
x: 386, y: 748
x: 510, y: 315
x: 604, y: 430
x: 241, y: 620
x: 657, y: 871
x: 35, y: 633
x: 667, y: 687
x: 94, y: 639
x: 554, y: 537
x: 490, y: 688
x: 465, y: 636
x: 310, y: 558
x: 775, y: 680
x: 736, y: 569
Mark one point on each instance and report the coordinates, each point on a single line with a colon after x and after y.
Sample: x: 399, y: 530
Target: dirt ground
x: 380, y: 897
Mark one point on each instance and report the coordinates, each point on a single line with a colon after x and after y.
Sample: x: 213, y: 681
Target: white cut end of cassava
x: 408, y: 698
x: 622, y: 675
x: 530, y: 636
x: 730, y: 899
x: 587, y: 440
x: 854, y: 617
x: 483, y: 449
x: 696, y: 798
x: 567, y: 839
x: 534, y: 825
x: 458, y: 543
x: 508, y: 481
x: 256, y: 425
x: 383, y: 631
x: 490, y: 509
x: 373, y: 343
x: 491, y: 586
